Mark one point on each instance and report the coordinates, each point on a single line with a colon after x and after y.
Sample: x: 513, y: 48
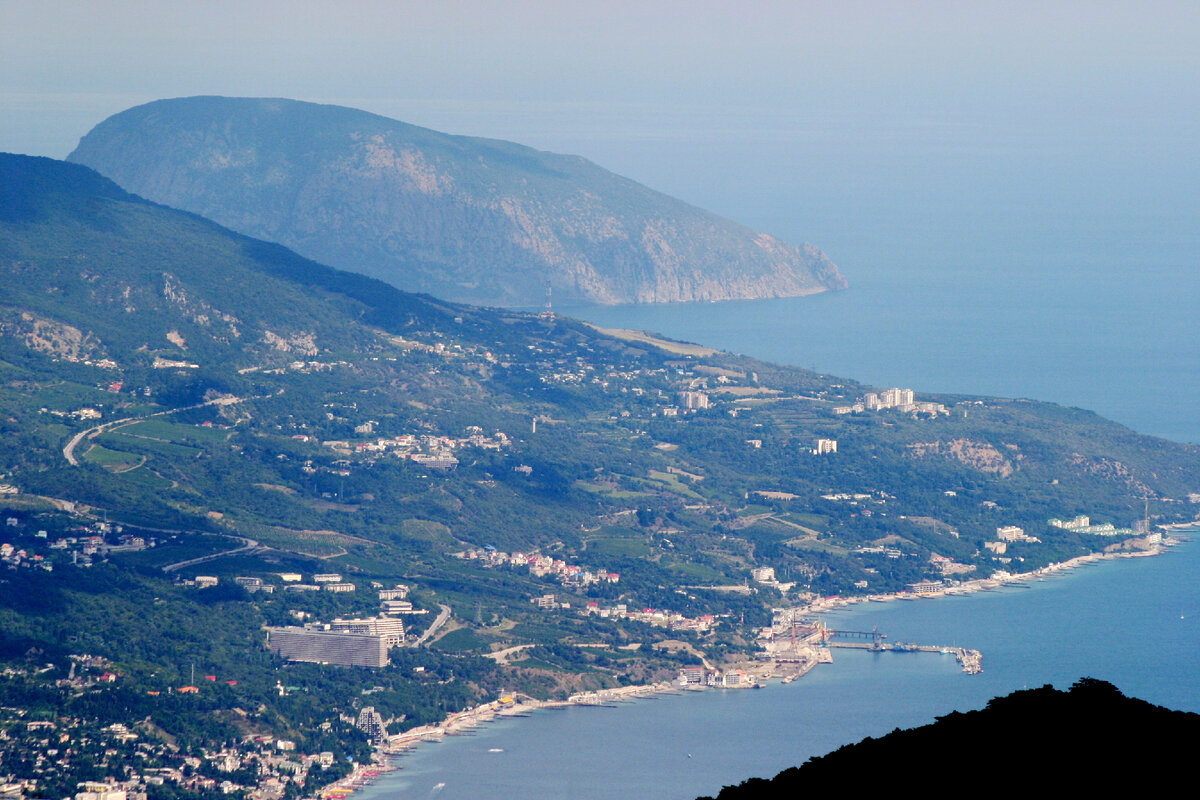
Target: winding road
x: 248, y: 546
x: 92, y: 433
x: 437, y: 623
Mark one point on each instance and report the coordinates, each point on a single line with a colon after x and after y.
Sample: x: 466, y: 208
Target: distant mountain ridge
x: 468, y: 219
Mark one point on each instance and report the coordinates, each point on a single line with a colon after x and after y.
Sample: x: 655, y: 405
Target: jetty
x: 804, y: 639
x: 970, y: 660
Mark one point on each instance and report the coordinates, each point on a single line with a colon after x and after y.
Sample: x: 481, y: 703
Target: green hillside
x: 177, y: 400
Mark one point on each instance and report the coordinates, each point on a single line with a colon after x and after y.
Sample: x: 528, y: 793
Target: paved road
x: 502, y: 656
x: 248, y: 546
x: 437, y: 623
x: 92, y: 433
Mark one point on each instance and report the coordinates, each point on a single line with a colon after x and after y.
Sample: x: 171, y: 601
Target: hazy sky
x: 768, y: 112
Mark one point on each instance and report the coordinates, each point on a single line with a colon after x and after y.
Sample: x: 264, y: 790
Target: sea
x: 1058, y: 272
x: 1134, y: 622
x: 1129, y: 354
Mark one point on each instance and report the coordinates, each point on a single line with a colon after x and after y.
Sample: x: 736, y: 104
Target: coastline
x: 991, y: 583
x: 520, y: 705
x: 516, y: 705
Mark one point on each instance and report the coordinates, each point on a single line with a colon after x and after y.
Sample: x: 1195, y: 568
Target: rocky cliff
x: 468, y: 219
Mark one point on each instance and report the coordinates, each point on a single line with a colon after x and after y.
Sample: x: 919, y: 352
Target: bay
x: 1090, y: 303
x: 1113, y: 329
x: 1134, y: 622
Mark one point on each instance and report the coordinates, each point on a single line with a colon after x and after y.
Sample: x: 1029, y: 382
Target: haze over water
x: 980, y: 261
x: 1011, y: 190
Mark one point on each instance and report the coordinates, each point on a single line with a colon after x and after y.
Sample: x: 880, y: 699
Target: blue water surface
x: 1134, y: 622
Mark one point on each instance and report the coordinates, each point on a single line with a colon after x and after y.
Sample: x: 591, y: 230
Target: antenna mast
x: 549, y: 312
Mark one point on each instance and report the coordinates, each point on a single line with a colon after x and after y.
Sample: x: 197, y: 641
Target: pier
x: 971, y: 660
x: 801, y: 640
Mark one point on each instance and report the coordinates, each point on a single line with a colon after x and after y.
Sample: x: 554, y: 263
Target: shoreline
x: 989, y: 584
x: 518, y: 705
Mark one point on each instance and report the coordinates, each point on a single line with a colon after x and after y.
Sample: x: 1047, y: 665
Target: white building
x: 1010, y: 533
x: 763, y: 574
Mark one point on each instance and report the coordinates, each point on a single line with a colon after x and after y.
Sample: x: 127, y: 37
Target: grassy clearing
x: 427, y: 531
x: 817, y: 545
x: 111, y: 460
x: 177, y: 432
x: 818, y: 521
x: 674, y: 484
x: 149, y: 478
x: 645, y: 337
x: 696, y: 572
x: 609, y: 491
x: 626, y: 548
x: 320, y: 544
x: 120, y: 439
x: 463, y: 640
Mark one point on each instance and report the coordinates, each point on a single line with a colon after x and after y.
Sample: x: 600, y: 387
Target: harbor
x: 571, y: 752
x: 798, y: 641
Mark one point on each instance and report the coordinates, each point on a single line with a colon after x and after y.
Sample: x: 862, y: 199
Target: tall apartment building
x: 389, y: 627
x: 370, y: 722
x: 329, y: 647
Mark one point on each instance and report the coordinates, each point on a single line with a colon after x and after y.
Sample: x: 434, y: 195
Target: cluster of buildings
x: 81, y: 414
x: 20, y: 558
x: 879, y: 550
x: 86, y: 672
x: 1083, y: 524
x: 321, y: 582
x: 948, y: 566
x: 95, y: 540
x: 434, y: 452
x: 258, y: 767
x: 359, y: 642
x: 541, y: 566
x: 900, y: 399
x: 697, y: 676
x: 1006, y: 535
x: 670, y: 620
x: 823, y: 446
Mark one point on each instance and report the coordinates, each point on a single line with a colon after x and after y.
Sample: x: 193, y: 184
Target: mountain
x: 1063, y: 737
x: 469, y: 219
